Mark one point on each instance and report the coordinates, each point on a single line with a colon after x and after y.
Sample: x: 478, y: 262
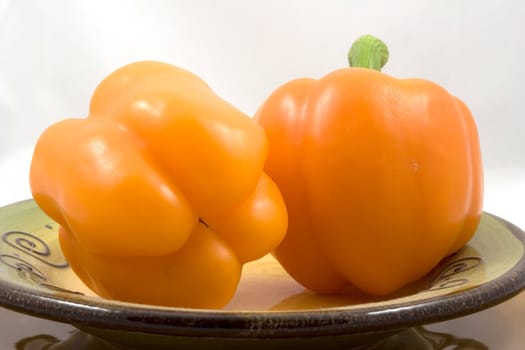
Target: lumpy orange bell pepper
x: 160, y: 192
x: 381, y: 176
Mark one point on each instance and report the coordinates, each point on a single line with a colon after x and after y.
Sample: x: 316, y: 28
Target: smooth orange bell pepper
x: 160, y: 192
x: 382, y: 177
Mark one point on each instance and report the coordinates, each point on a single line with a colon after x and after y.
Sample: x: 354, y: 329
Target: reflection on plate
x: 269, y: 309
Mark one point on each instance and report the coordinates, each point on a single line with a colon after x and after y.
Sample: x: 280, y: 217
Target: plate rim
x: 137, y: 318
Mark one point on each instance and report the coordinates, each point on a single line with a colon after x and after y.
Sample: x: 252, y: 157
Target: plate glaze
x: 269, y: 308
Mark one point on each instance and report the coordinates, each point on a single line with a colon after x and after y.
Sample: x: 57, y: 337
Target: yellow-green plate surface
x: 269, y: 308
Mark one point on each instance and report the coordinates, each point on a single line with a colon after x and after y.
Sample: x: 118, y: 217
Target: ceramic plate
x: 269, y: 308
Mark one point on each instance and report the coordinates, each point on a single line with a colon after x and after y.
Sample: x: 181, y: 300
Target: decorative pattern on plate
x: 29, y: 245
x: 32, y: 245
x: 452, y: 275
x: 33, y: 255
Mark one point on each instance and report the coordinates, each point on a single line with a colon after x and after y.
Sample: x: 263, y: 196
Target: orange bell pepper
x: 160, y: 193
x: 382, y: 177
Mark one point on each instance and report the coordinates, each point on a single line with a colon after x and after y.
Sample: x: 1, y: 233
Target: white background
x: 53, y: 53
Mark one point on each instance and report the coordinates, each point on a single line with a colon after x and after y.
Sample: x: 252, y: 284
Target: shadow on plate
x: 417, y: 338
x: 77, y: 341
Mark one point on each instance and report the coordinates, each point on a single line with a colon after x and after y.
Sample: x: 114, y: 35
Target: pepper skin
x: 160, y: 192
x: 382, y: 177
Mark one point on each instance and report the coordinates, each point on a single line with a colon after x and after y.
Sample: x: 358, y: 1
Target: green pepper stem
x: 368, y: 52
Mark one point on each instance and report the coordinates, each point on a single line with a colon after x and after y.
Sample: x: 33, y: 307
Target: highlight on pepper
x: 382, y: 177
x: 160, y: 192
